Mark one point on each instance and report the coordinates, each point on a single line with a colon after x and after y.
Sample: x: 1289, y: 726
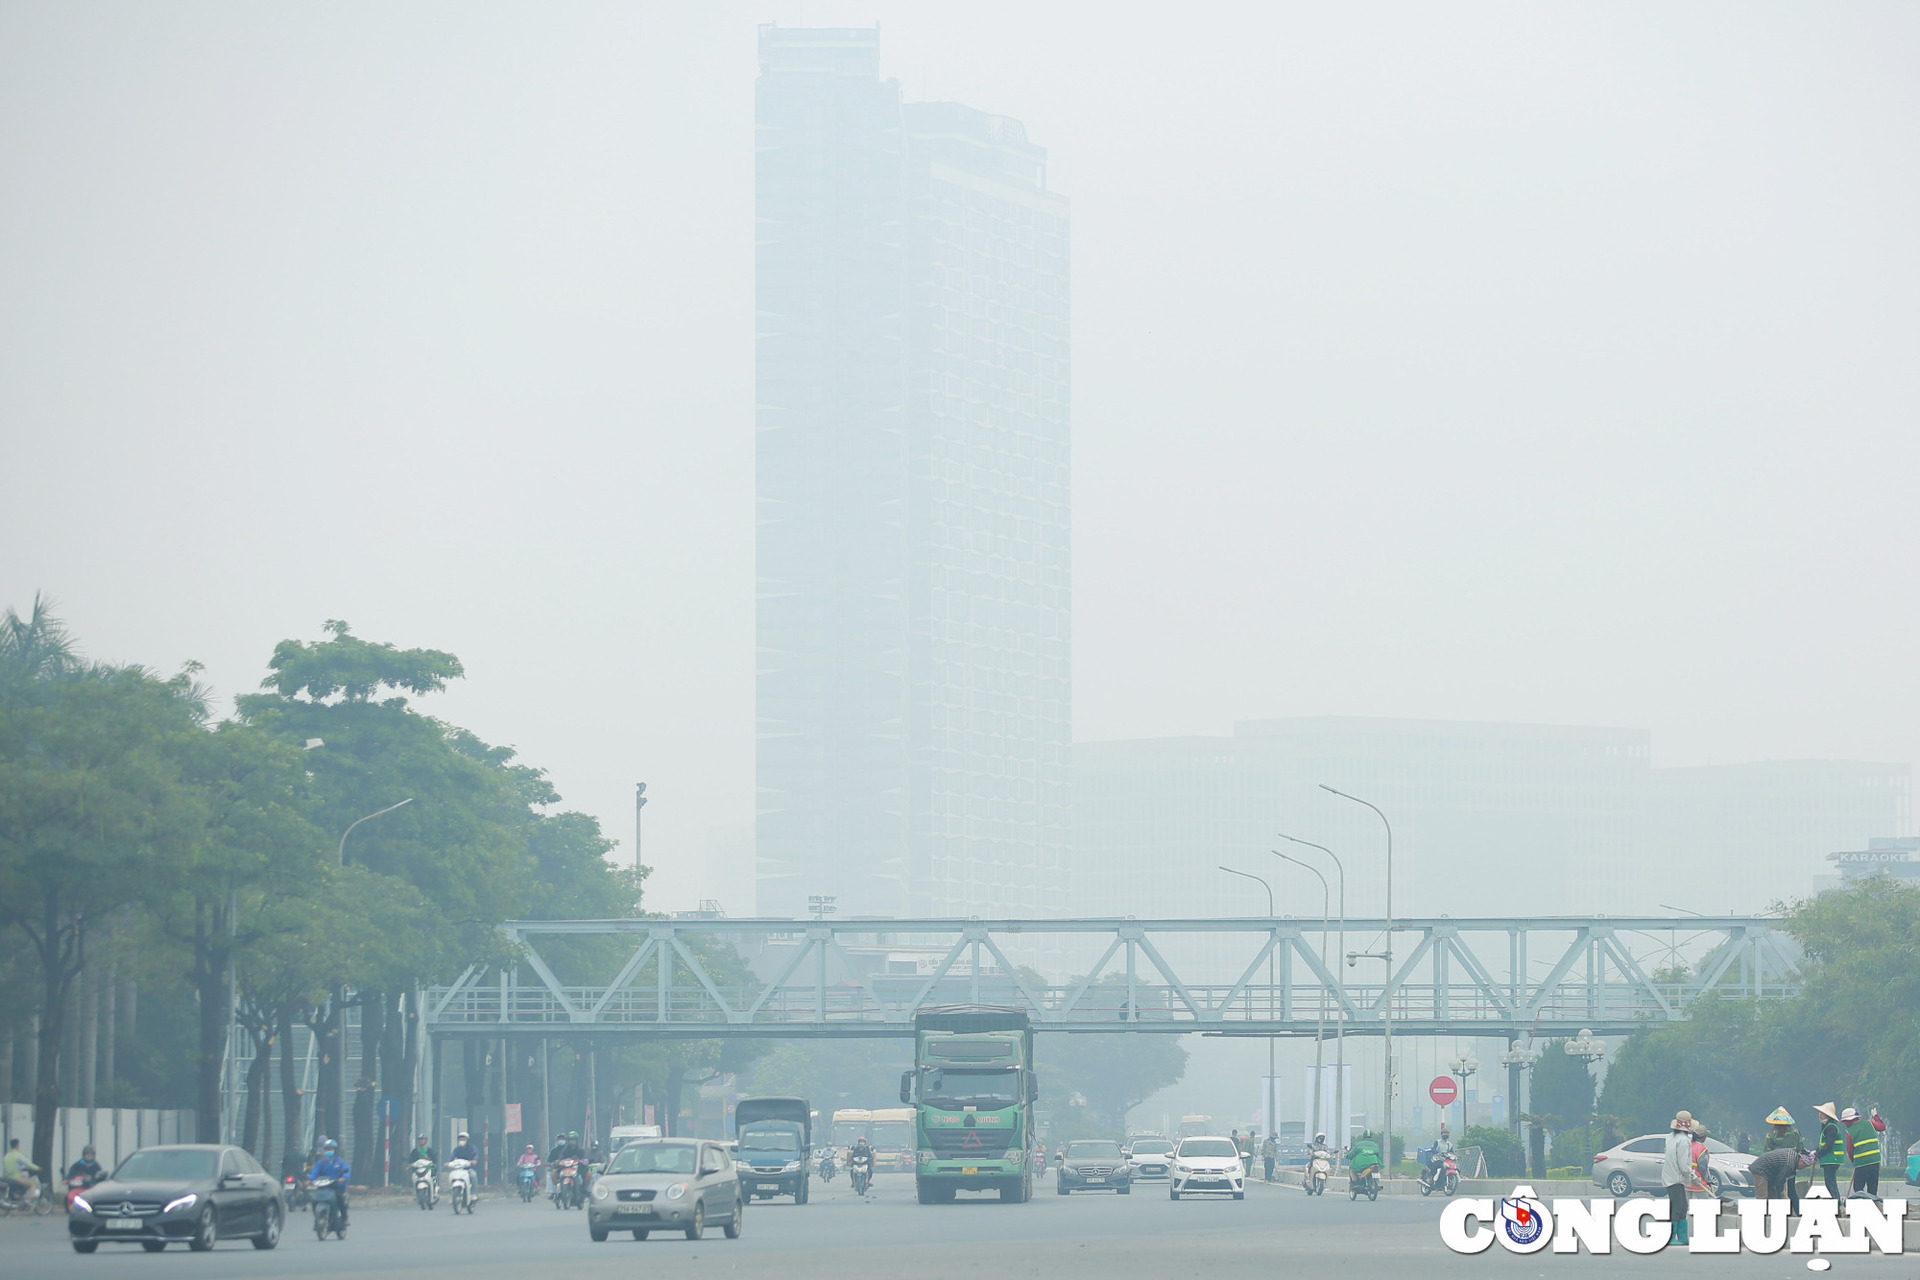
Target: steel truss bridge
x: 1510, y: 977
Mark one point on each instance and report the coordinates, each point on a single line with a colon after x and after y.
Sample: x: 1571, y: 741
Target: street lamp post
x: 1272, y: 1110
x: 1463, y: 1069
x: 369, y: 818
x: 1386, y: 991
x: 1518, y: 1060
x: 1341, y: 1100
x: 1589, y: 1051
x: 1320, y: 1031
x: 340, y: 992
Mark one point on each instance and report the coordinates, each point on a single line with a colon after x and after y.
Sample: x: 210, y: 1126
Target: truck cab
x: 973, y: 1088
x: 775, y: 1156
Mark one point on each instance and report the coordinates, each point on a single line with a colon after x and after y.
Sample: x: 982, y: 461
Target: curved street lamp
x: 1273, y: 1111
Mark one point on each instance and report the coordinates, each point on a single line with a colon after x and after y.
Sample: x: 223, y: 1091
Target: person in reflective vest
x: 1863, y: 1150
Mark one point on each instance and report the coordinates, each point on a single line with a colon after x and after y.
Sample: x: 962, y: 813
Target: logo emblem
x: 1523, y: 1224
x: 126, y: 1208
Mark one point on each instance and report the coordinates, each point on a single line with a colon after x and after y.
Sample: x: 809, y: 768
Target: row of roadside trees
x: 131, y: 817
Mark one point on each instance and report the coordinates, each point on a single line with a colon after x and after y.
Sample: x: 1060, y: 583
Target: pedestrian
x: 1703, y: 1166
x: 1831, y: 1152
x: 1676, y: 1174
x: 1269, y: 1152
x: 1863, y: 1150
x: 1781, y: 1131
x: 1774, y: 1171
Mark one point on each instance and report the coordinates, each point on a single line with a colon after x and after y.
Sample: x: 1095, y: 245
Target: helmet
x: 420, y: 1138
x: 329, y: 1145
x: 1319, y: 1137
x: 573, y: 1135
x: 87, y: 1152
x: 529, y: 1148
x: 463, y: 1135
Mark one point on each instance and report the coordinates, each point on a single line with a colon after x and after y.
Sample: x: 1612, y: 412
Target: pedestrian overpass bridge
x: 1280, y: 976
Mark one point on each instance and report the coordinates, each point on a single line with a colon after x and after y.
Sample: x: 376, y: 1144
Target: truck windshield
x: 770, y: 1138
x: 972, y: 1088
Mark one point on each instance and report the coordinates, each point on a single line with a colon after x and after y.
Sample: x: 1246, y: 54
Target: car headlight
x: 80, y: 1203
x: 1179, y: 1168
x: 184, y: 1202
x: 1016, y: 1155
x: 677, y: 1190
x: 791, y: 1166
x: 600, y: 1191
x: 925, y: 1157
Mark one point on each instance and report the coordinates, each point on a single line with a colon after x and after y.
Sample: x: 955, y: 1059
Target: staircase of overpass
x: 1511, y: 977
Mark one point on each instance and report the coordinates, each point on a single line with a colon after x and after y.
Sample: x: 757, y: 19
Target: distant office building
x: 1487, y: 818
x: 914, y: 600
x: 1739, y: 837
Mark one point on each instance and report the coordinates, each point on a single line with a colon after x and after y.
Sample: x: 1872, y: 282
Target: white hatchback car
x: 1206, y: 1164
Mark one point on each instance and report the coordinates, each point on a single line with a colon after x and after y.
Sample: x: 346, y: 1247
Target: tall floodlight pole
x: 1320, y: 1031
x: 1340, y: 1027
x: 1272, y: 1103
x: 1386, y: 991
x: 340, y: 992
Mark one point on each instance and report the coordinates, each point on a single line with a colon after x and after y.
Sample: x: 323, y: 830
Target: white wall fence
x: 113, y: 1132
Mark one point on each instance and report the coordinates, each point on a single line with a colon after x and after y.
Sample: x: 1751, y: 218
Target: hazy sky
x: 1530, y: 362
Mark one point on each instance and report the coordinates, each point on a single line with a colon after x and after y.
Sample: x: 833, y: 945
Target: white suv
x: 1206, y: 1164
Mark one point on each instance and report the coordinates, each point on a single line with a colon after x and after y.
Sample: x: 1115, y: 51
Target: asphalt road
x: 889, y: 1236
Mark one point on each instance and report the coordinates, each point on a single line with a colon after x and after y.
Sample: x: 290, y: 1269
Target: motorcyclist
x: 860, y: 1159
x: 17, y: 1171
x: 465, y: 1150
x: 330, y: 1165
x: 1441, y: 1149
x: 529, y: 1159
x: 567, y: 1148
x: 1362, y: 1156
x: 86, y: 1167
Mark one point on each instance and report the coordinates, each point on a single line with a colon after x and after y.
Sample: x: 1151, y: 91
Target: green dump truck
x: 973, y: 1089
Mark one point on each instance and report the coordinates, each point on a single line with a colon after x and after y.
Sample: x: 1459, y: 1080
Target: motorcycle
x: 297, y: 1197
x: 75, y: 1185
x: 528, y: 1179
x: 862, y: 1176
x: 1443, y: 1176
x: 828, y: 1165
x: 460, y: 1184
x: 33, y: 1200
x: 569, y: 1190
x: 1319, y: 1169
x: 1365, y: 1183
x: 426, y: 1192
x: 326, y: 1209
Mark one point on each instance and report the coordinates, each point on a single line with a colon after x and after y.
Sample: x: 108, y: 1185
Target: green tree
x: 92, y: 815
x: 1506, y: 1157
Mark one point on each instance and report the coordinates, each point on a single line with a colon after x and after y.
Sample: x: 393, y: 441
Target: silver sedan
x: 666, y: 1184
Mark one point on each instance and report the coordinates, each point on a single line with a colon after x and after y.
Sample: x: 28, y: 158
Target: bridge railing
x: 1513, y: 977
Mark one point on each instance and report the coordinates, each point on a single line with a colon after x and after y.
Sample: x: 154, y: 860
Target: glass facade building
x: 913, y: 599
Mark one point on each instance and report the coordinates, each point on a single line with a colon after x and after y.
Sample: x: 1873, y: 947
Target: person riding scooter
x: 1436, y: 1155
x: 330, y: 1165
x: 860, y: 1165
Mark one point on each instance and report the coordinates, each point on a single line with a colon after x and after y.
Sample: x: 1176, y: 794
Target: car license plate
x: 769, y: 1186
x: 123, y: 1224
x: 969, y: 1168
x: 1095, y: 1178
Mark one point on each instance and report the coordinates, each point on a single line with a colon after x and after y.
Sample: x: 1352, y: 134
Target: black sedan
x: 1094, y: 1166
x: 192, y: 1195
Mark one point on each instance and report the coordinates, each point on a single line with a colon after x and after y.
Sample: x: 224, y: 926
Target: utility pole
x: 639, y: 803
x: 1386, y: 990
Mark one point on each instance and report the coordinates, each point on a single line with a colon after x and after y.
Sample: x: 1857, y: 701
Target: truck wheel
x: 800, y: 1196
x: 1060, y: 1187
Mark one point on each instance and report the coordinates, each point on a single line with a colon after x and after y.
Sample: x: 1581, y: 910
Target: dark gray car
x: 679, y: 1184
x: 195, y: 1195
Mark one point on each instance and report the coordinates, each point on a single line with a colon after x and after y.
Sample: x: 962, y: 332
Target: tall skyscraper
x: 914, y: 598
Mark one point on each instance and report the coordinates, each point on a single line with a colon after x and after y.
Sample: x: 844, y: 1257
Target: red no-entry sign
x: 1443, y: 1090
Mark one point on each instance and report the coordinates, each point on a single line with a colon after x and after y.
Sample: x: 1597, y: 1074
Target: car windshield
x: 1093, y: 1151
x: 160, y: 1165
x: 970, y: 1088
x: 771, y: 1138
x: 1152, y: 1147
x: 653, y: 1157
x: 897, y: 1134
x: 1208, y: 1147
